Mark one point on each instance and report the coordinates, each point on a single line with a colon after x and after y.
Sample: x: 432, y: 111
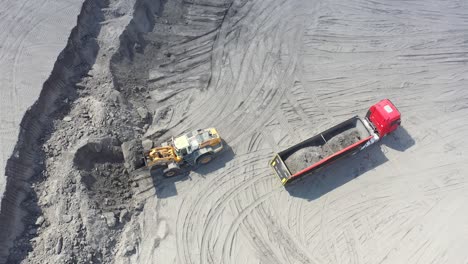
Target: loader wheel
x: 169, y: 173
x: 205, y: 159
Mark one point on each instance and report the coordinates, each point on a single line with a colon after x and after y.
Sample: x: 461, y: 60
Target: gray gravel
x: 307, y: 156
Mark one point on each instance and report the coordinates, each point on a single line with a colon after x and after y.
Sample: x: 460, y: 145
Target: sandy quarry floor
x: 267, y: 74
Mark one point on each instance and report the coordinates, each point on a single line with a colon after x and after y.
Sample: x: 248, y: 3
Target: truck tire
x: 171, y: 172
x: 205, y: 159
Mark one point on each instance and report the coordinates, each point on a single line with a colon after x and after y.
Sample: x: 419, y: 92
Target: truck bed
x: 322, y: 149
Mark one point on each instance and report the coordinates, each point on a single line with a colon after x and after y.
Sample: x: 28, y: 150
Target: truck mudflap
x: 280, y: 169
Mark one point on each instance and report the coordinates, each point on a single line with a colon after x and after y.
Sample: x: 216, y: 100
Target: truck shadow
x: 166, y: 187
x: 311, y: 187
x: 399, y: 140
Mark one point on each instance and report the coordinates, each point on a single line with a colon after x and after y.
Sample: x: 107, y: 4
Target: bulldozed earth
x: 267, y: 74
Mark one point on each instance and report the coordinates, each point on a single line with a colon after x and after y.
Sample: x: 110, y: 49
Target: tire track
x: 210, y: 224
x: 250, y: 100
x: 295, y: 249
x: 200, y: 201
x: 227, y: 246
x: 20, y: 48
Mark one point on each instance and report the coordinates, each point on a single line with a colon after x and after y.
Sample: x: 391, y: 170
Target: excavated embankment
x: 19, y: 205
x: 69, y: 193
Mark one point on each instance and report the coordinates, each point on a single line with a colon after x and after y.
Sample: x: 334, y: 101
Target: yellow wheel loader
x: 198, y: 147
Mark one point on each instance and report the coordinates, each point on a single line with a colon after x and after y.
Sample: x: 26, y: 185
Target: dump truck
x: 197, y: 147
x: 343, y: 139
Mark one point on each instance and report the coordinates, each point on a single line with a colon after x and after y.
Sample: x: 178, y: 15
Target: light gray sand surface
x: 267, y: 74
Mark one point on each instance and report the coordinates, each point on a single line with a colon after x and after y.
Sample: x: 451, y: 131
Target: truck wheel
x: 205, y: 159
x: 171, y: 172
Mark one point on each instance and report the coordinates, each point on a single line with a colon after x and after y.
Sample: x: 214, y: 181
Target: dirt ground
x: 267, y: 74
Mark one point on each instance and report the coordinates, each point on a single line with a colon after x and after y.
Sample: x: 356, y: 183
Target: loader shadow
x: 166, y: 187
x: 313, y: 186
x: 226, y: 155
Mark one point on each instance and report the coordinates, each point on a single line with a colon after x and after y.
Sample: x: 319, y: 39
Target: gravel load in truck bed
x: 309, y: 155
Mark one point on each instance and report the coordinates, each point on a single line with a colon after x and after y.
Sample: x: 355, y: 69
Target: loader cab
x: 384, y: 117
x: 181, y: 146
x: 185, y: 145
x: 181, y: 152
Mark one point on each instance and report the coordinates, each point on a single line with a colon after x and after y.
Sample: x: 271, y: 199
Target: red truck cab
x: 384, y: 116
